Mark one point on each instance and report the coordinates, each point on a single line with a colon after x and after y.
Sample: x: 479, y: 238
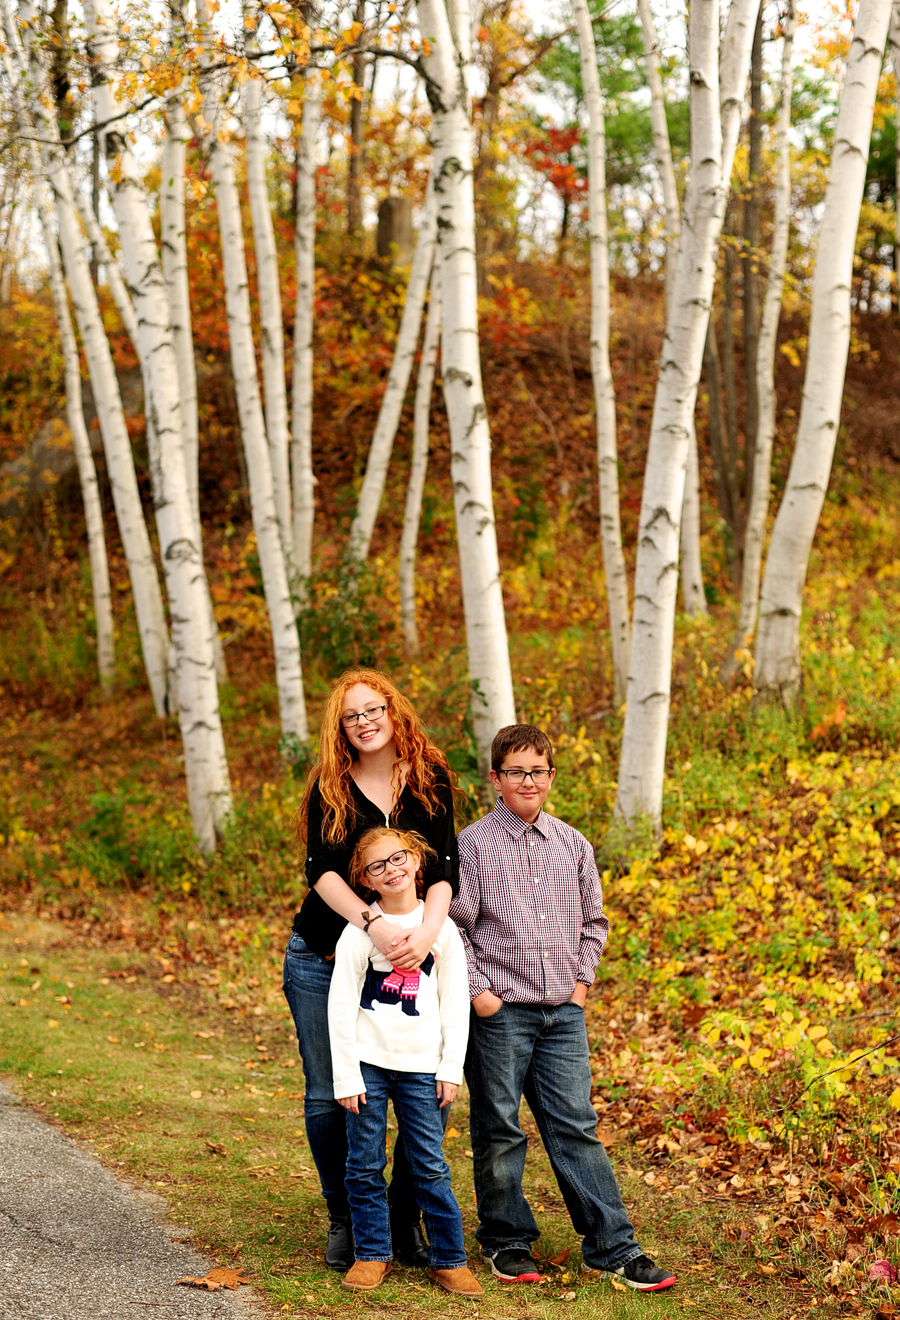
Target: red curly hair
x: 336, y: 756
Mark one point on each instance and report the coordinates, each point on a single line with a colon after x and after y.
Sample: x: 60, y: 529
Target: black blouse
x: 318, y: 925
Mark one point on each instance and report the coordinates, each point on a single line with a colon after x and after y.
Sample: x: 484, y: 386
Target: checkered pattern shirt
x: 529, y: 908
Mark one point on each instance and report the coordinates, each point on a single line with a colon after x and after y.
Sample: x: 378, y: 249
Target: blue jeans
x: 541, y: 1052
x: 420, y: 1123
x: 307, y: 980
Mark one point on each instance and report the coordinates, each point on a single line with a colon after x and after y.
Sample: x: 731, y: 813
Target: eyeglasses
x: 371, y: 713
x: 395, y: 859
x: 537, y: 777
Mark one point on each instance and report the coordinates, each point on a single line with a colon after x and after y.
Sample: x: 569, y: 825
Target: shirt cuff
x: 478, y: 982
x: 586, y: 974
x: 346, y: 1086
x: 449, y: 1072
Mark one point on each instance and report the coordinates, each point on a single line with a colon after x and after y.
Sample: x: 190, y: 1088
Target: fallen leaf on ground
x: 617, y: 1284
x: 220, y: 1277
x: 560, y: 1259
x: 882, y: 1271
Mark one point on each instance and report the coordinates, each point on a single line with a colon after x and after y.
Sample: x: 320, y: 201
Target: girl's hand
x: 352, y: 1102
x: 446, y: 1093
x: 408, y: 951
x: 382, y: 935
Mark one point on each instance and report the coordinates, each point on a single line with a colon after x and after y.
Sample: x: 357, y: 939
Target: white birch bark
x: 714, y: 130
x: 894, y: 46
x: 656, y: 574
x: 84, y: 458
x: 285, y: 640
x: 754, y: 536
x: 777, y: 671
x: 419, y: 467
x: 270, y: 318
x: 693, y: 593
x: 385, y: 433
x: 173, y: 235
x: 120, y: 294
x: 304, y: 481
x: 206, y: 769
x: 493, y: 703
x: 601, y: 370
x: 104, y: 382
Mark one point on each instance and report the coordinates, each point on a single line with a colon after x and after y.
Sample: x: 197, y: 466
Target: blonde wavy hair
x: 336, y: 756
x: 409, y: 839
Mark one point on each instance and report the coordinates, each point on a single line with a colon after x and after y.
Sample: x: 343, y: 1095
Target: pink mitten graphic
x: 394, y: 982
x: 410, y: 985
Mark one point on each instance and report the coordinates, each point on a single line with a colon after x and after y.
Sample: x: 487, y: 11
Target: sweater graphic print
x: 395, y: 986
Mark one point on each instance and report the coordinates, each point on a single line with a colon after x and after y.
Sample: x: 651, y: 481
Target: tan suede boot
x: 364, y: 1275
x: 460, y: 1280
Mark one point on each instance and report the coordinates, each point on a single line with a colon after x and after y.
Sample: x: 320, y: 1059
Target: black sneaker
x: 409, y: 1244
x: 643, y: 1274
x: 513, y: 1266
x: 340, y: 1250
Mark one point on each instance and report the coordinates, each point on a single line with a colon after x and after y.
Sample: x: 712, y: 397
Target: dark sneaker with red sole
x: 513, y: 1266
x: 642, y: 1273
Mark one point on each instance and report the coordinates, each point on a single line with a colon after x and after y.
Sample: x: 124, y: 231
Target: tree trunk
x: 604, y: 387
x: 894, y: 44
x: 104, y: 383
x: 270, y: 318
x: 661, y: 146
x: 101, y: 254
x: 777, y: 672
x: 356, y: 158
x: 395, y: 391
x: 447, y: 63
x: 206, y: 767
x: 758, y: 508
x: 418, y: 467
x: 692, y: 589
x: 84, y: 458
x: 285, y: 641
x: 302, y: 378
x: 173, y: 227
x: 751, y: 255
x: 693, y: 592
x: 656, y: 575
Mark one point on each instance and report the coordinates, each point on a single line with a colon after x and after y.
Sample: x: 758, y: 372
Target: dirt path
x: 77, y: 1244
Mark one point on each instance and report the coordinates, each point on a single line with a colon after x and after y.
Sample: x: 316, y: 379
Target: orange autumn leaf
x: 220, y: 1277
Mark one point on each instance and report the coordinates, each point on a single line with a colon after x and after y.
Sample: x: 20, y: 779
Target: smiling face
x: 526, y: 798
x: 395, y: 885
x: 366, y: 735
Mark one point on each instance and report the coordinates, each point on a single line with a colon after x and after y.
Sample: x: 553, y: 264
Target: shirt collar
x: 514, y: 824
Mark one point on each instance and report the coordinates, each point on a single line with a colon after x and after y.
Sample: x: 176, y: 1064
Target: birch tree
x: 385, y: 433
x: 285, y: 641
x: 445, y: 24
x: 419, y: 466
x: 713, y: 139
x: 303, y: 478
x: 894, y: 45
x: 152, y: 631
x: 754, y: 536
x: 692, y: 590
x: 777, y: 672
x: 270, y: 317
x: 601, y: 370
x: 206, y: 768
x: 84, y: 458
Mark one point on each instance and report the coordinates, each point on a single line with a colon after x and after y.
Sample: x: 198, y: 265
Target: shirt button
x: 546, y: 954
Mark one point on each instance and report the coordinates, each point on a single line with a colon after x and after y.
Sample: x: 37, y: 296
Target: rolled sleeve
x: 320, y: 855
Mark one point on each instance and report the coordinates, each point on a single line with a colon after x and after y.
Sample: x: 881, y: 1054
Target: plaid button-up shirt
x: 529, y: 908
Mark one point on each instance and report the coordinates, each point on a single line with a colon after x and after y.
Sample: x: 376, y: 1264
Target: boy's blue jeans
x: 420, y: 1122
x: 541, y: 1052
x: 307, y: 980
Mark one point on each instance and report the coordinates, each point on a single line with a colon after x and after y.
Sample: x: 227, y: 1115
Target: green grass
x: 204, y: 1106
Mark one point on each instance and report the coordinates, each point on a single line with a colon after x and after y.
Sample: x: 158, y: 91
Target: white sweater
x: 400, y: 1026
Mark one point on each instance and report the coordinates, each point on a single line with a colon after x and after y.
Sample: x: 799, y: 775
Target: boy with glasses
x: 530, y: 912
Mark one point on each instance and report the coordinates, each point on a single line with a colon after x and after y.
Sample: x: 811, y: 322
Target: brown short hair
x: 409, y: 840
x: 518, y: 738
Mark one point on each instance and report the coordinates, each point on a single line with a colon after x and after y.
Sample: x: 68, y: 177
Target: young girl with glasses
x: 400, y: 1035
x: 377, y: 767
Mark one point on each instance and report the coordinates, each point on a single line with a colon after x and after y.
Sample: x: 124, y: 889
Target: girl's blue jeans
x: 420, y: 1123
x: 307, y: 980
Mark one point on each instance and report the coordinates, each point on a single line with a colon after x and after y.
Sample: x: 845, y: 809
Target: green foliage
x: 339, y: 626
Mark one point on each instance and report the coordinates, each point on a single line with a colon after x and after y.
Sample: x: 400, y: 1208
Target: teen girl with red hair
x: 377, y: 766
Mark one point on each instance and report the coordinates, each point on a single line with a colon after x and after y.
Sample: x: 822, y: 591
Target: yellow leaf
x: 816, y: 1033
x: 894, y: 1098
x: 196, y: 1095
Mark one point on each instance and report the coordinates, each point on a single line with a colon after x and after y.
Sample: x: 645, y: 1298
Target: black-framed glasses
x: 395, y: 859
x: 371, y: 713
x: 537, y: 777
